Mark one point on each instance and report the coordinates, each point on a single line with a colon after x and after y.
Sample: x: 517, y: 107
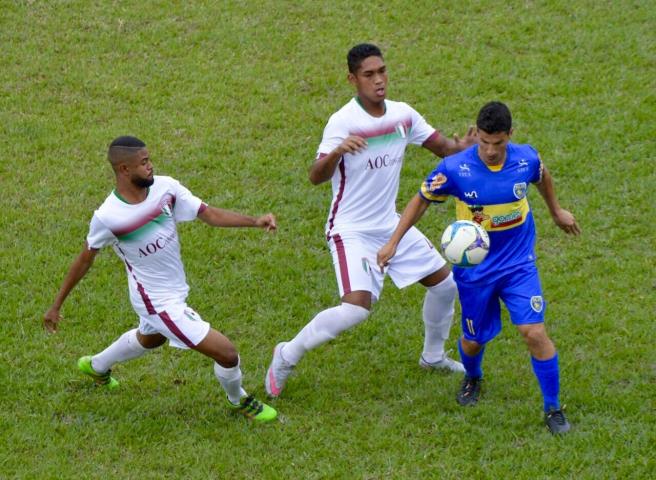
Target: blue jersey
x: 494, y: 198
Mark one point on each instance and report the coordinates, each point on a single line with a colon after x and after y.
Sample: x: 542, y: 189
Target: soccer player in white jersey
x: 138, y: 219
x: 362, y: 153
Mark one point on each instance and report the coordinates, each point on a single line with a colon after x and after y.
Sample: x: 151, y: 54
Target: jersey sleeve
x: 437, y: 186
x: 333, y: 135
x: 187, y: 205
x: 99, y: 235
x: 535, y: 167
x: 420, y: 130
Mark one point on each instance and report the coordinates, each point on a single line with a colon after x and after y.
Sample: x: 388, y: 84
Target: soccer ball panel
x: 465, y: 243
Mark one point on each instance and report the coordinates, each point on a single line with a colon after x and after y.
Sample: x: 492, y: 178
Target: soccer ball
x: 465, y: 243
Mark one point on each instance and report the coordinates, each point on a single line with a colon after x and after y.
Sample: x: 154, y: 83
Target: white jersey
x: 365, y: 184
x: 145, y: 237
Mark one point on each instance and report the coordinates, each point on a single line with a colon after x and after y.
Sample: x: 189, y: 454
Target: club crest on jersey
x: 537, y: 304
x: 519, y: 190
x: 166, y: 210
x: 438, y: 181
x: 401, y: 130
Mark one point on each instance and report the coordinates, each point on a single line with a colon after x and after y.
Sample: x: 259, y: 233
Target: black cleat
x: 470, y: 390
x: 556, y: 421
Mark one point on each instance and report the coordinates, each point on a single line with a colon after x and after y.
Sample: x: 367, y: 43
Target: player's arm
x: 218, y: 217
x: 324, y: 167
x: 443, y: 147
x: 564, y: 219
x: 76, y: 272
x: 411, y: 215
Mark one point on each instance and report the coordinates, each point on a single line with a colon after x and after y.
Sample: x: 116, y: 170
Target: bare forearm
x: 324, y: 167
x: 548, y: 192
x: 218, y: 217
x: 76, y: 272
x: 411, y: 215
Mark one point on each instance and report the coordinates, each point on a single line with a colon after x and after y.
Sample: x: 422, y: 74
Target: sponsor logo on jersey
x: 537, y: 304
x: 523, y: 165
x: 506, y: 219
x: 438, y: 181
x: 464, y: 170
x: 471, y: 194
x: 382, y: 161
x: 477, y: 214
x: 519, y: 190
x: 159, y: 244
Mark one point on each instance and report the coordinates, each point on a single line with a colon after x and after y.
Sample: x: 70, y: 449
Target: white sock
x: 325, y: 326
x: 125, y: 348
x: 438, y: 317
x: 230, y: 380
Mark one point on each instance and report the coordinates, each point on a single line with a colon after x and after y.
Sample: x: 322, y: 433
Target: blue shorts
x: 521, y: 293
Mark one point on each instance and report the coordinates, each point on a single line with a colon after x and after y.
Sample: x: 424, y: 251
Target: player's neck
x: 375, y: 109
x: 131, y: 193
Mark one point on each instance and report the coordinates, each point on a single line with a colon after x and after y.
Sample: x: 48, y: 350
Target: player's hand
x: 267, y: 222
x: 566, y: 221
x: 51, y: 319
x: 470, y: 138
x: 352, y: 144
x: 385, y: 254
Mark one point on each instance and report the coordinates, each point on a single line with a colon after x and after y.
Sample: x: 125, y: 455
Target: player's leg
x: 523, y: 297
x: 356, y: 282
x: 417, y: 260
x: 481, y: 322
x: 132, y: 344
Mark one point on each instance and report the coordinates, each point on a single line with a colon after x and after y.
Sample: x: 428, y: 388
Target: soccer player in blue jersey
x: 489, y: 182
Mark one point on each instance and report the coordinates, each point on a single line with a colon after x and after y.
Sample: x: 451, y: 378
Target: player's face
x: 370, y: 80
x: 492, y: 146
x: 141, y: 169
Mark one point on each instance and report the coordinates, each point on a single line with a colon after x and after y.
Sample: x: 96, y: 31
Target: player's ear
x: 351, y: 78
x: 510, y: 132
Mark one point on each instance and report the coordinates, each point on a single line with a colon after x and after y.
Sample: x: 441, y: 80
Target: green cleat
x: 102, y: 379
x: 253, y: 409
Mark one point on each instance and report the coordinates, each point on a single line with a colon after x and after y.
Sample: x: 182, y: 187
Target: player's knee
x: 228, y: 357
x: 535, y: 335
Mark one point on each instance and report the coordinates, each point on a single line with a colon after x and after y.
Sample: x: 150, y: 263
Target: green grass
x: 231, y: 98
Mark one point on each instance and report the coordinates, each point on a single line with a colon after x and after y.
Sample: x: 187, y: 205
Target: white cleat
x: 277, y: 374
x: 446, y: 364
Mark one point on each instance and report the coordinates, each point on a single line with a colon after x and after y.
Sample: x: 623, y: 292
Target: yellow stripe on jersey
x: 494, y: 218
x: 430, y: 196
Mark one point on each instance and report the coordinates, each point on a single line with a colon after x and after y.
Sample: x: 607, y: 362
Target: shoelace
x: 251, y: 405
x: 557, y: 416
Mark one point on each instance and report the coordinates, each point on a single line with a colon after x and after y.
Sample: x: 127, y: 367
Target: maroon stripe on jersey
x: 170, y: 324
x: 202, y: 208
x: 385, y: 130
x: 167, y: 199
x: 340, y: 193
x: 343, y: 266
x: 142, y: 292
x: 434, y: 136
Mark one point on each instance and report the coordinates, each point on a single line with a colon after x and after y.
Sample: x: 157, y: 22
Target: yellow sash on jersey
x: 494, y: 218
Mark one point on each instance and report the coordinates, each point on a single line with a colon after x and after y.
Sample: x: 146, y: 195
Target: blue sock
x: 472, y: 364
x: 548, y: 375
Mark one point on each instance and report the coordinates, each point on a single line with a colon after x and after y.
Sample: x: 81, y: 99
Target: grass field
x: 231, y: 98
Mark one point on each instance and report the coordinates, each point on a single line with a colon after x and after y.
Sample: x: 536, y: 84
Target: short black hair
x: 357, y: 54
x: 494, y: 117
x: 127, y: 141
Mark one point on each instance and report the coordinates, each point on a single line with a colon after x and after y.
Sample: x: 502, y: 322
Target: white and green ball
x: 465, y: 243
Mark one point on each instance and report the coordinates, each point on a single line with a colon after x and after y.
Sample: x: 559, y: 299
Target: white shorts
x: 179, y: 323
x: 354, y: 259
